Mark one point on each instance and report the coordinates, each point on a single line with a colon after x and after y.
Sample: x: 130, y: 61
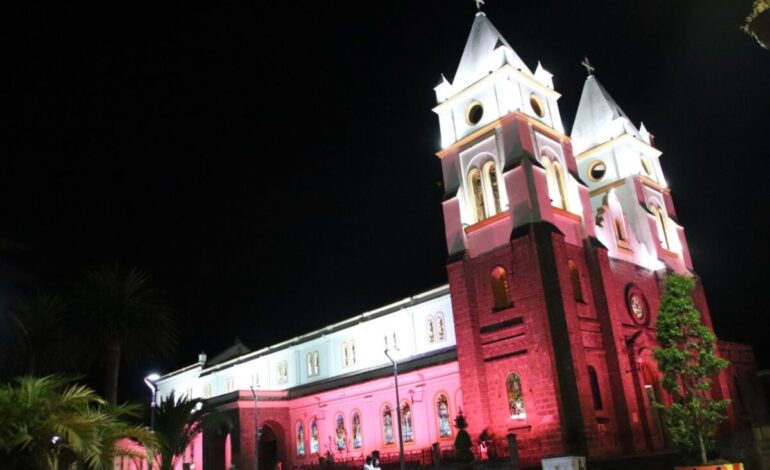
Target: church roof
x: 478, y: 57
x: 598, y: 118
x: 235, y: 350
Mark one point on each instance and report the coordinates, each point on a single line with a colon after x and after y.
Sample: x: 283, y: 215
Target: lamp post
x: 398, y: 409
x: 256, y: 429
x: 150, y: 381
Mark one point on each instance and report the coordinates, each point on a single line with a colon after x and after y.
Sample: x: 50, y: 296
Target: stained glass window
x: 300, y: 439
x: 387, y: 424
x: 406, y: 422
x: 313, y: 437
x: 515, y: 397
x: 358, y: 440
x: 442, y: 411
x: 341, y: 433
x: 440, y: 330
x: 429, y: 327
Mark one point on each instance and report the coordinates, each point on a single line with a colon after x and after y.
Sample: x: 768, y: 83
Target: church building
x: 557, y: 249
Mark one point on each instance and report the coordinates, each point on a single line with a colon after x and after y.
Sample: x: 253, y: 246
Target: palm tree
x: 124, y: 320
x: 178, y: 422
x: 50, y: 422
x: 37, y: 320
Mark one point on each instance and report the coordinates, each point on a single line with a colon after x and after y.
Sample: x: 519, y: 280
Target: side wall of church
x: 349, y: 422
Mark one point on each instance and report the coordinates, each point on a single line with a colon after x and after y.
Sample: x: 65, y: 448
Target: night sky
x: 273, y: 166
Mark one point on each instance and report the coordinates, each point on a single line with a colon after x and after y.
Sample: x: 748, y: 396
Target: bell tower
x: 515, y: 215
x: 634, y: 213
x: 506, y: 160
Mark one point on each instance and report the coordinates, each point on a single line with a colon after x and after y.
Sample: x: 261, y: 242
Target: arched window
x: 283, y: 372
x: 345, y: 352
x: 406, y: 422
x: 442, y: 412
x: 620, y: 231
x: 440, y: 327
x: 316, y: 363
x: 313, y: 437
x: 477, y: 194
x: 387, y: 424
x: 352, y: 355
x: 500, y: 290
x: 562, y: 182
x: 310, y: 365
x: 596, y: 393
x: 358, y: 439
x: 574, y: 277
x: 661, y: 221
x: 429, y: 329
x: 341, y: 435
x: 557, y: 185
x: 491, y: 188
x: 300, y: 439
x: 515, y: 397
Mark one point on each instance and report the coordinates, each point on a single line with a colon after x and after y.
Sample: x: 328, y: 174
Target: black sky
x: 272, y: 164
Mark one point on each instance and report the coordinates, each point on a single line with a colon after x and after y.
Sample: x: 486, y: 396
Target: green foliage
x: 688, y: 361
x: 463, y: 442
x: 178, y: 421
x: 758, y: 7
x: 51, y: 423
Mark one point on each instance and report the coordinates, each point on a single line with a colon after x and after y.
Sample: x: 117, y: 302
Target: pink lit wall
x: 419, y: 389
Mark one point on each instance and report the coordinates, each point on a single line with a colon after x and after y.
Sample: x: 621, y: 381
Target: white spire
x: 598, y: 118
x: 543, y: 76
x: 485, y: 51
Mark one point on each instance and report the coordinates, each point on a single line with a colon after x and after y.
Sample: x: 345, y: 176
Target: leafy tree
x: 463, y: 443
x: 51, y: 423
x: 125, y: 319
x: 688, y: 361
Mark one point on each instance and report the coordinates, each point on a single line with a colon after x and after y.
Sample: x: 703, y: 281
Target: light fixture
x: 150, y: 381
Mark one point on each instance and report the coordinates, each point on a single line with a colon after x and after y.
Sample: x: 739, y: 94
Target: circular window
x: 597, y: 170
x: 637, y: 304
x: 474, y: 112
x: 646, y: 165
x: 537, y: 105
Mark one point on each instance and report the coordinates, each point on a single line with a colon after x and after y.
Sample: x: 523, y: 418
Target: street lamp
x: 398, y: 409
x: 150, y: 381
x: 256, y: 429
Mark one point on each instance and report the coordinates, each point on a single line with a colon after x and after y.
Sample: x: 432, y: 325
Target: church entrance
x: 652, y: 395
x: 268, y: 449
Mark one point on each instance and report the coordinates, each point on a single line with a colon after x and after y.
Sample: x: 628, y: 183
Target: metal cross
x: 478, y: 4
x: 589, y: 68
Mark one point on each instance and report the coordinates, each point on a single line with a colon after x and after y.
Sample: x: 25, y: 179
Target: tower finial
x: 587, y: 64
x: 478, y: 4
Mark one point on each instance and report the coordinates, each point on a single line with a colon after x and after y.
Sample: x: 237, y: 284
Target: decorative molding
x: 487, y: 221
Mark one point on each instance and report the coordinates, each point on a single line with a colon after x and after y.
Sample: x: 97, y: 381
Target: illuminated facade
x: 557, y: 249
